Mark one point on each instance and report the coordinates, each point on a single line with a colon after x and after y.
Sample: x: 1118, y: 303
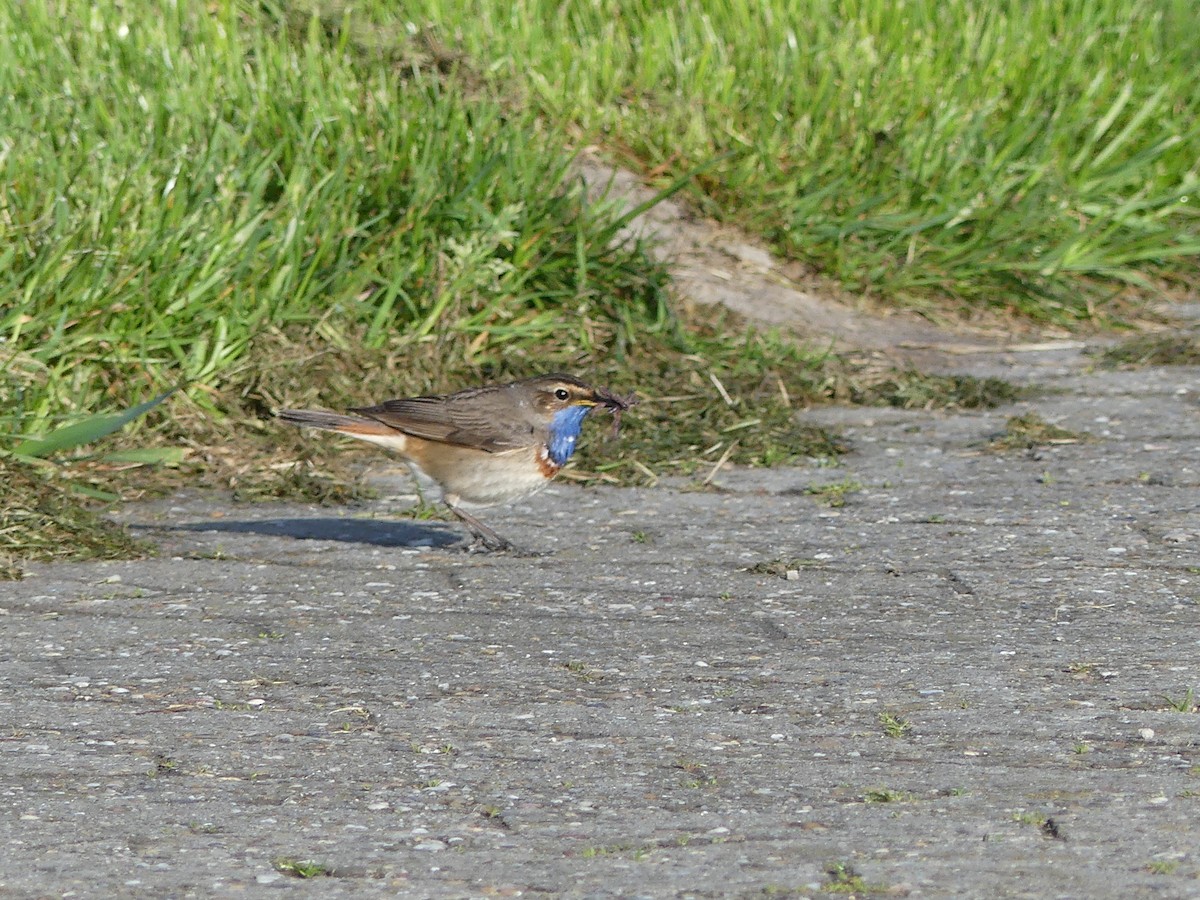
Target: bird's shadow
x: 380, y: 533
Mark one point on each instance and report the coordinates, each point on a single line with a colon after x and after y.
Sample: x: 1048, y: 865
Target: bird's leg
x: 485, y: 538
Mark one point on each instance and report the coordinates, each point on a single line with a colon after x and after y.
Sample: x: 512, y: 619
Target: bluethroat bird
x: 482, y: 446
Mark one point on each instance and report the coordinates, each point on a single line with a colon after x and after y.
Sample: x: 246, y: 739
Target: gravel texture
x: 960, y: 683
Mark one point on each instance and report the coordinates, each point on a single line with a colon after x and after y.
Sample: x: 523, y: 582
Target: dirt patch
x: 715, y: 264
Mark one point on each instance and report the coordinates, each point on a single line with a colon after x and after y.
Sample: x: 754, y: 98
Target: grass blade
x: 86, y: 431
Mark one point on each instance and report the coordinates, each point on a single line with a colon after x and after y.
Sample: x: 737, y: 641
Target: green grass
x: 1184, y: 704
x: 886, y: 795
x: 271, y: 207
x: 1162, y: 866
x: 301, y: 868
x: 834, y: 493
x: 894, y: 725
x: 42, y: 519
x: 1028, y: 156
x: 1173, y: 349
x: 178, y: 184
x: 1030, y: 430
x: 844, y: 879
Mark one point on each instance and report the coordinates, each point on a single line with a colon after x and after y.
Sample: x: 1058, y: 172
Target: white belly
x: 470, y: 478
x: 475, y: 480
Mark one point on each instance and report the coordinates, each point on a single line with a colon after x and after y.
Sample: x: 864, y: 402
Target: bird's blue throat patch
x: 564, y: 432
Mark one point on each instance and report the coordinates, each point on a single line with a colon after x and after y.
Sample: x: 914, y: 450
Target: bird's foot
x: 486, y: 540
x: 483, y: 544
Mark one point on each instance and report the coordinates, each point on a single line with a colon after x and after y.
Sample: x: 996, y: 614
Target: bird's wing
x: 480, y: 419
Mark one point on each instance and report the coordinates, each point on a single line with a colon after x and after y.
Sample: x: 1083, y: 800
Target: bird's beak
x: 609, y: 400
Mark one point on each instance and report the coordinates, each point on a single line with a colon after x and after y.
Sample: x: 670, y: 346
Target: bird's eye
x: 562, y: 394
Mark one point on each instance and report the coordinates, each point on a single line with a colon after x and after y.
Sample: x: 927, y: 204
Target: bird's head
x: 553, y: 394
x: 565, y: 401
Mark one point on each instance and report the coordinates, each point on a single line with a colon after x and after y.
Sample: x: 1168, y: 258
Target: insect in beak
x: 614, y: 404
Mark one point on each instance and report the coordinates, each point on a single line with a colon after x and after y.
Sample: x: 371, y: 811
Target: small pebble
x: 1146, y: 734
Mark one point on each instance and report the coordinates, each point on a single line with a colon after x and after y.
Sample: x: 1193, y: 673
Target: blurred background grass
x: 322, y: 203
x: 1035, y: 157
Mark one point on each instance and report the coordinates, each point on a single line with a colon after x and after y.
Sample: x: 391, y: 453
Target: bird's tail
x: 353, y: 425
